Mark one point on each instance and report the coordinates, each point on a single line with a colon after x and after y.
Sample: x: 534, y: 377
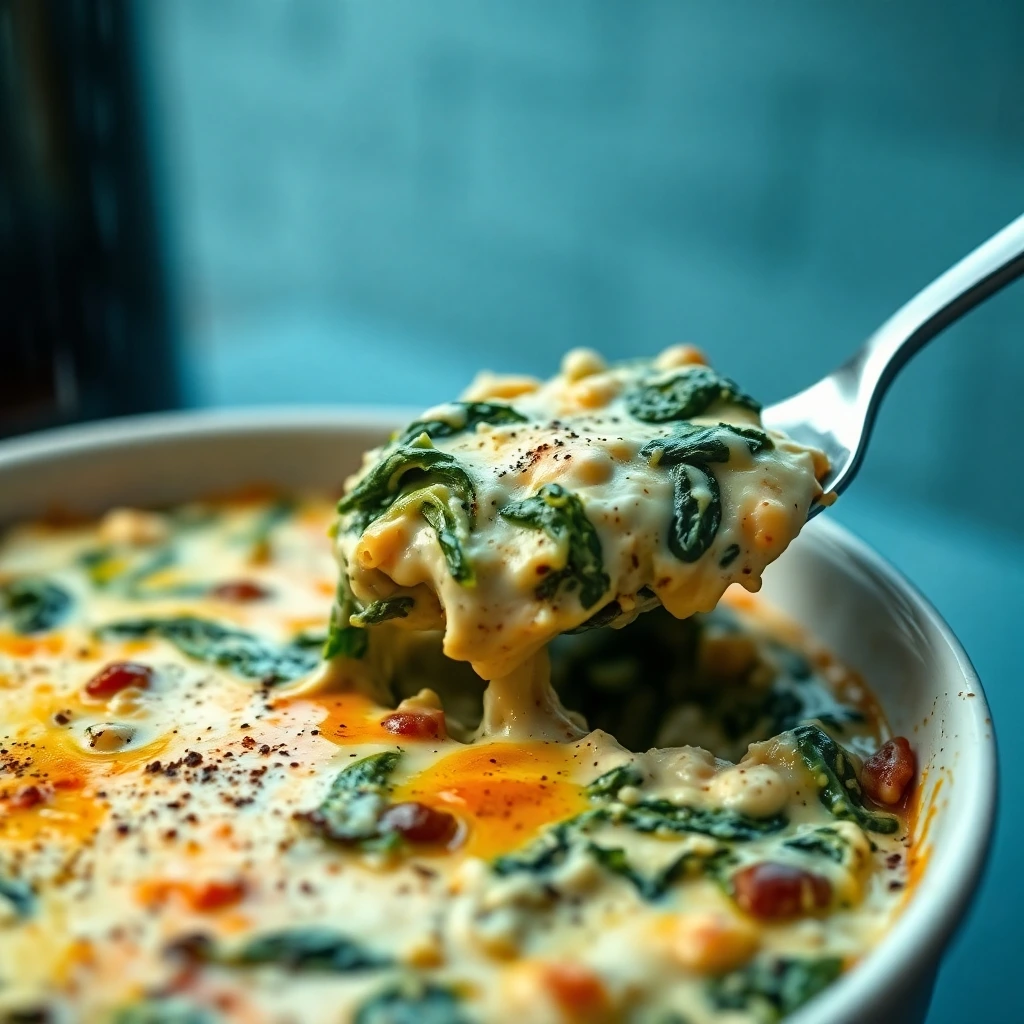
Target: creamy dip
x: 214, y: 805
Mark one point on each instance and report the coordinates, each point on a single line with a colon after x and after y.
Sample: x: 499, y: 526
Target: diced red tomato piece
x: 239, y: 592
x: 209, y: 896
x: 889, y: 771
x: 416, y: 725
x: 776, y: 892
x: 118, y: 676
x: 577, y: 990
x: 419, y: 823
x: 202, y: 897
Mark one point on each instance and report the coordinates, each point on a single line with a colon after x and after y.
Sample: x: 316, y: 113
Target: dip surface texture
x: 215, y: 804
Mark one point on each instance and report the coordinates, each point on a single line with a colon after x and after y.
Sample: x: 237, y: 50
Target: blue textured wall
x: 435, y: 185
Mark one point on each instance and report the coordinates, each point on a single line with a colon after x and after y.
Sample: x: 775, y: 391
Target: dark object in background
x: 84, y: 329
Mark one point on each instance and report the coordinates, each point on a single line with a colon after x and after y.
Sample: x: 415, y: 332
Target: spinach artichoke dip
x: 470, y: 782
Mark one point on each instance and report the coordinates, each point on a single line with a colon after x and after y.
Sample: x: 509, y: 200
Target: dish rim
x: 940, y: 898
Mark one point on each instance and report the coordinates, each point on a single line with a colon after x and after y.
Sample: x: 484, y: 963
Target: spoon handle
x: 979, y: 275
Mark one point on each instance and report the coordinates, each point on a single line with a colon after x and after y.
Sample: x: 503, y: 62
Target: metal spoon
x: 837, y: 414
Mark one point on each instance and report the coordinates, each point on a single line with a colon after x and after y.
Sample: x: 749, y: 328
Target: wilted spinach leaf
x: 547, y: 851
x: 720, y: 823
x: 838, y: 787
x: 469, y: 416
x: 412, y: 1001
x: 773, y: 988
x: 243, y: 653
x: 560, y: 514
x: 696, y: 512
x: 654, y: 886
x: 351, y: 811
x: 167, y: 1010
x: 445, y: 524
x: 305, y: 950
x: 19, y: 894
x: 34, y: 605
x: 402, y: 470
x: 606, y: 786
x: 380, y: 611
x: 696, y: 497
x: 821, y: 842
x: 683, y: 395
x: 699, y: 445
x: 343, y: 639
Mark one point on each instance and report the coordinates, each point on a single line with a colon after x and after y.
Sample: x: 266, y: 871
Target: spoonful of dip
x: 531, y: 508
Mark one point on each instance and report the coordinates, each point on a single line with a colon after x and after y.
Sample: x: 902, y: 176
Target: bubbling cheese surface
x: 217, y: 806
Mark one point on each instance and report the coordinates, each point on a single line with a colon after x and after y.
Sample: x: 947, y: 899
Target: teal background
x: 365, y: 201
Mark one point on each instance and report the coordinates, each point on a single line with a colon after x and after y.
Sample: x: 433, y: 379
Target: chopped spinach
x: 653, y: 887
x: 343, y: 639
x: 560, y: 514
x: 696, y: 497
x: 105, y: 569
x: 606, y: 786
x: 548, y: 850
x: 305, y: 950
x: 162, y: 1010
x: 380, y: 611
x: 699, y: 445
x: 446, y: 525
x: 412, y: 1001
x: 720, y: 823
x: 19, y: 894
x: 402, y: 470
x: 243, y: 653
x: 683, y: 395
x: 553, y: 847
x: 351, y: 811
x: 821, y: 842
x: 773, y: 988
x: 838, y: 787
x: 696, y: 512
x: 34, y: 605
x: 470, y: 415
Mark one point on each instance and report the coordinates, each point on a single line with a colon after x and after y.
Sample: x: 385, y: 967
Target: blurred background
x: 226, y: 202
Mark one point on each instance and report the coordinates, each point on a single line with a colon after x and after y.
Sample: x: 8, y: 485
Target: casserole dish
x: 838, y: 590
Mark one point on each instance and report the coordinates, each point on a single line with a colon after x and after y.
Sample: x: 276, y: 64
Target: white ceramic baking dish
x: 843, y: 594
